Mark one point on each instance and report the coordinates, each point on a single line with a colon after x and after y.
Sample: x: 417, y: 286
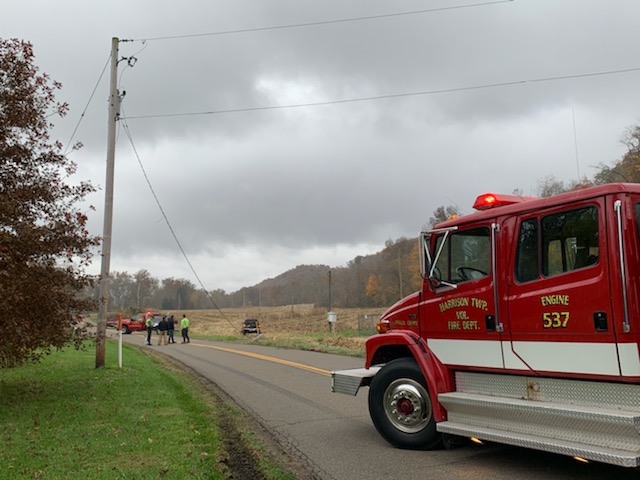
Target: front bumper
x: 350, y: 381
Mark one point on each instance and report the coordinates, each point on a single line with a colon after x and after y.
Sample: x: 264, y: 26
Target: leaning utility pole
x: 103, y: 302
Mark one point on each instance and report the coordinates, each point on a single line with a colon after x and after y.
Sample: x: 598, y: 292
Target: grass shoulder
x: 63, y: 418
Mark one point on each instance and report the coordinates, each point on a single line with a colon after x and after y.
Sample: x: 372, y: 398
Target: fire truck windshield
x: 465, y: 255
x: 428, y: 261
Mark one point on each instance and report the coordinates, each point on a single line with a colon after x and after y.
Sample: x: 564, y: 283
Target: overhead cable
x: 75, y: 130
x: 392, y: 95
x: 317, y: 23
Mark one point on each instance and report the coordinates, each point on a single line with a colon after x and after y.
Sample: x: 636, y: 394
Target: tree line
x: 366, y: 281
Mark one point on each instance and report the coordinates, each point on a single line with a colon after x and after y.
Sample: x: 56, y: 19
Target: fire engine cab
x: 525, y: 331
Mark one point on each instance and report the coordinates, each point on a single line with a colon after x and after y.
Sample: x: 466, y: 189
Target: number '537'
x: 555, y: 319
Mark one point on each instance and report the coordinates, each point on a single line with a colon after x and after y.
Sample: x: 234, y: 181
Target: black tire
x: 125, y: 330
x: 400, y: 406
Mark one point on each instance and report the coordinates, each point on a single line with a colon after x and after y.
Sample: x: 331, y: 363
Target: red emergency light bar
x: 492, y: 200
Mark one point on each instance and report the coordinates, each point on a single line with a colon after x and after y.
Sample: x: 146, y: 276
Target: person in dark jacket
x: 171, y: 322
x: 163, y: 326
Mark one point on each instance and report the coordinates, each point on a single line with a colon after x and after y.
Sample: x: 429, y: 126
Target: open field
x: 296, y: 326
x: 301, y: 326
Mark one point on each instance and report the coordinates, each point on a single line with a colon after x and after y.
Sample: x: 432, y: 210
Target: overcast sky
x: 451, y: 103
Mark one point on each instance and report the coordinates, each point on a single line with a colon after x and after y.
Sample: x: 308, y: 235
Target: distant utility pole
x: 329, y: 290
x: 103, y: 302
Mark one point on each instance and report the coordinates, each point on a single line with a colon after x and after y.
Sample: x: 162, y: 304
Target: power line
x: 317, y: 23
x: 166, y: 219
x: 75, y: 130
x: 393, y: 95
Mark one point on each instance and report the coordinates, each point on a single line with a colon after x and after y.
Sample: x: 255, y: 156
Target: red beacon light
x: 492, y: 200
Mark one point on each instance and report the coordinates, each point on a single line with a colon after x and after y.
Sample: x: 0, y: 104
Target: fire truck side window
x: 527, y: 267
x: 466, y: 256
x: 569, y: 241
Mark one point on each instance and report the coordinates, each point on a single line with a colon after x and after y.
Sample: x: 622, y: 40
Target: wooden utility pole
x: 103, y: 302
x: 329, y: 290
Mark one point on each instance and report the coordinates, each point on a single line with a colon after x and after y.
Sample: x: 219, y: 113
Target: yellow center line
x: 268, y: 359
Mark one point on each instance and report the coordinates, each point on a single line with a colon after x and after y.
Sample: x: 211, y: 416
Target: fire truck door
x: 558, y: 301
x: 624, y: 262
x: 460, y: 309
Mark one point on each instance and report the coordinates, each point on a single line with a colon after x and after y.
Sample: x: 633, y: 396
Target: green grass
x: 65, y: 419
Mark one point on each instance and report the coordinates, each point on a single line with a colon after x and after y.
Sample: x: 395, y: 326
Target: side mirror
x: 435, y: 279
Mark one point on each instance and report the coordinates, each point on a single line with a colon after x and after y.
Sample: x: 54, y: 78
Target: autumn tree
x: 218, y: 297
x: 413, y: 267
x: 176, y: 294
x: 628, y: 168
x: 120, y: 292
x: 350, y: 283
x: 373, y: 288
x: 144, y: 288
x: 441, y: 214
x: 550, y: 185
x: 44, y: 242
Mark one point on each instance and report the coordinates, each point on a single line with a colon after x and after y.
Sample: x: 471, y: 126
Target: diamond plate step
x: 611, y: 435
x: 597, y: 454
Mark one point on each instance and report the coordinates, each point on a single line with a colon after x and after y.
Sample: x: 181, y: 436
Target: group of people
x: 166, y: 327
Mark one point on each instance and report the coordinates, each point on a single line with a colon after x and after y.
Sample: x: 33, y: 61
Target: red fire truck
x: 525, y: 331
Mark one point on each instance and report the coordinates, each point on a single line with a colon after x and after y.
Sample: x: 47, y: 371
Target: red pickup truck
x: 136, y: 323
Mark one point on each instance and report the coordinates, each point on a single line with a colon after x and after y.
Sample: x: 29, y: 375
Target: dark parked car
x: 250, y: 325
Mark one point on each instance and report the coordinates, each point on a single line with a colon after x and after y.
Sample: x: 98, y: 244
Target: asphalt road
x: 289, y: 392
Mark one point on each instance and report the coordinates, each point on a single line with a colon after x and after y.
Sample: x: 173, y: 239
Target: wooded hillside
x: 366, y: 281
x: 376, y: 280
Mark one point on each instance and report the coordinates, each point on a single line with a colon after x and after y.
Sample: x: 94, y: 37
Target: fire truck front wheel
x: 400, y: 406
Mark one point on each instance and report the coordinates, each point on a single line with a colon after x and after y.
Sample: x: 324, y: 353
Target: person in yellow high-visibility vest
x: 184, y: 327
x: 149, y: 325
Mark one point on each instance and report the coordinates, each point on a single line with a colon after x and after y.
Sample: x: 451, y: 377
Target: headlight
x: 383, y: 326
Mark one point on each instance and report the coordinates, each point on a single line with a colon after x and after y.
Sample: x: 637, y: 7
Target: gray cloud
x: 251, y: 194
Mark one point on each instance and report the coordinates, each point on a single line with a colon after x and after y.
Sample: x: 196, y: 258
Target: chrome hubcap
x: 407, y: 405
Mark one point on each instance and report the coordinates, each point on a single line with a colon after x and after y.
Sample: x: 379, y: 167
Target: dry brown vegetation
x: 303, y: 326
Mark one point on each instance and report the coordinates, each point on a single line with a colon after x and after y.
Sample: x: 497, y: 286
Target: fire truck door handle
x: 600, y: 321
x: 490, y: 321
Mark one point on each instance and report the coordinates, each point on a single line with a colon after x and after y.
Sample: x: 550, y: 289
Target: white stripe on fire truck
x: 566, y: 357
